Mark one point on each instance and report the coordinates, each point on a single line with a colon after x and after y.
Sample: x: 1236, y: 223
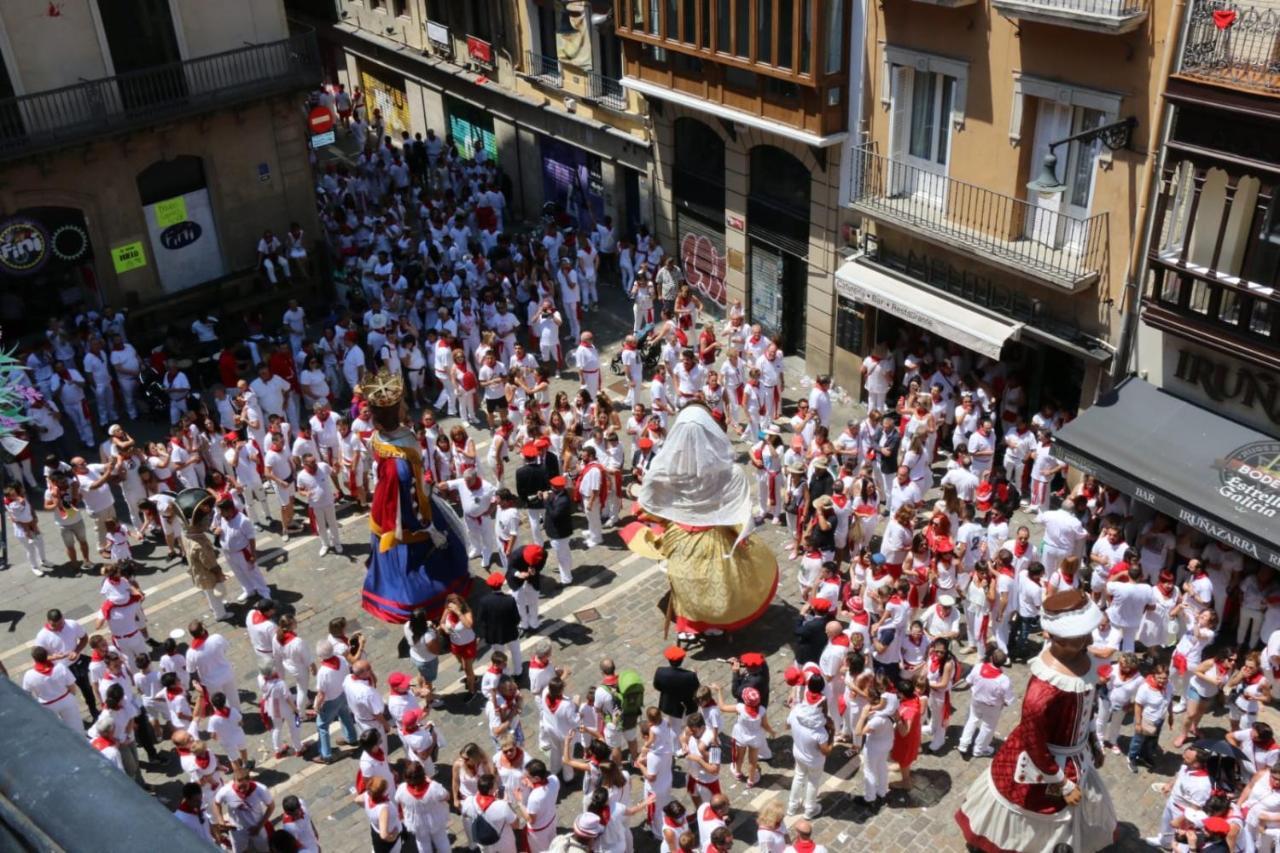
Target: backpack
x: 483, y: 832
x: 630, y: 696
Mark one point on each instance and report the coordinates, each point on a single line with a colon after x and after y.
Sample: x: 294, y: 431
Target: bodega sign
x: 24, y: 246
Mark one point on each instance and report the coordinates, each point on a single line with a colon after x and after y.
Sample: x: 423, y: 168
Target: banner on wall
x: 573, y: 179
x: 390, y: 100
x: 184, y: 241
x: 573, y: 35
x: 467, y: 124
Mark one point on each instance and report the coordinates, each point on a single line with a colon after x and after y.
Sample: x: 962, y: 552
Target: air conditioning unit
x: 570, y: 104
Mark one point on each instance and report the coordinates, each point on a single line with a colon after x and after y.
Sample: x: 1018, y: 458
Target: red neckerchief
x: 941, y: 611
x: 495, y: 670
x: 812, y: 698
x: 990, y: 670
x: 183, y: 807
x: 840, y: 640
x: 417, y: 791
x: 1020, y: 548
x: 331, y: 662
x: 483, y: 801
x: 203, y: 759
x: 935, y: 661
x: 198, y: 642
x: 604, y: 816
x: 377, y: 754
x: 553, y: 703
x: 1007, y: 571
x: 1255, y: 678
x: 101, y: 743
x: 257, y: 617
x: 895, y: 599
x: 224, y: 713
x: 173, y: 692
x: 1165, y: 587
x: 610, y: 680
x: 667, y: 821
x: 752, y: 711
x: 862, y: 618
x: 289, y: 637
x: 803, y: 845
x: 1151, y: 682
x: 538, y: 664
x: 44, y: 668
x: 1197, y: 772
x: 288, y: 818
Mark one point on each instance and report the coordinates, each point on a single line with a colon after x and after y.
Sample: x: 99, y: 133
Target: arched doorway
x: 46, y: 268
x: 179, y: 214
x: 778, y: 227
x: 698, y: 191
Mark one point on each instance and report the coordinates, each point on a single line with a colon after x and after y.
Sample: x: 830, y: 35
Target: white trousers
x: 805, y: 784
x: 104, y: 395
x: 248, y: 574
x: 1108, y: 720
x: 446, y: 401
x: 982, y: 722
x: 34, y: 546
x: 535, y: 524
x: 527, y: 605
x: 483, y: 538
x: 875, y: 771
x: 937, y: 706
x: 129, y: 390
x: 875, y: 401
x: 67, y: 709
x: 553, y: 748
x: 327, y: 529
x: 81, y: 422
x: 594, y: 533
x: 280, y: 729
x: 564, y: 559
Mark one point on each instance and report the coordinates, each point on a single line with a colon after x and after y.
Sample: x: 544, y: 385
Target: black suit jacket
x: 811, y: 639
x: 531, y: 481
x: 559, y: 518
x: 552, y: 463
x: 757, y: 677
x: 516, y: 563
x: 675, y: 688
x: 497, y: 619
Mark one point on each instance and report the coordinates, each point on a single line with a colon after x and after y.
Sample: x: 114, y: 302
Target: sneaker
x: 1133, y: 765
x: 437, y: 704
x: 1154, y: 841
x: 39, y: 571
x: 1179, y: 707
x: 983, y: 753
x: 337, y: 549
x: 243, y: 597
x: 324, y: 549
x: 810, y: 814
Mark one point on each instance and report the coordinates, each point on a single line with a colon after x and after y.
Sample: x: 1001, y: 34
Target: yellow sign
x: 171, y: 211
x: 130, y: 256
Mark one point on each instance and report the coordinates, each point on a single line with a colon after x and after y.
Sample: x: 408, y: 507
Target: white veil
x: 694, y: 479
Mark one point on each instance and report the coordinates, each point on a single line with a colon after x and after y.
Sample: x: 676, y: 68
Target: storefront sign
x: 130, y: 256
x: 1180, y: 512
x: 438, y: 34
x: 572, y: 178
x: 186, y: 252
x: 180, y: 236
x: 24, y: 246
x: 171, y: 211
x: 736, y: 222
x: 1226, y: 382
x: 1250, y: 478
x: 479, y: 50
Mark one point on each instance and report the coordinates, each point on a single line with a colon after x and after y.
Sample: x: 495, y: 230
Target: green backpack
x: 630, y: 696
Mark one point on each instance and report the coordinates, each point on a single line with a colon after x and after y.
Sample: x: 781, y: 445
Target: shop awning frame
x: 981, y: 331
x: 1220, y: 477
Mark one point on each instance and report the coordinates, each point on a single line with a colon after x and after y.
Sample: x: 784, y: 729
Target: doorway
x: 140, y: 37
x: 1060, y: 220
x: 778, y: 282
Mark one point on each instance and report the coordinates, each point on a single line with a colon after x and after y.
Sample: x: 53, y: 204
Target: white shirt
x: 271, y: 394
x: 1128, y: 602
x: 209, y: 662
x: 244, y: 811
x: 48, y: 688
x: 365, y: 702
x: 62, y: 641
x: 1062, y: 530
x: 318, y: 486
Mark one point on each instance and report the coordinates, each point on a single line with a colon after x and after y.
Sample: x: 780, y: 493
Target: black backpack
x: 483, y: 833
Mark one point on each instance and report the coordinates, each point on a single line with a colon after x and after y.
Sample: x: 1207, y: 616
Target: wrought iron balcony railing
x: 1234, y: 44
x: 1037, y: 241
x: 545, y: 69
x: 1109, y: 16
x: 608, y: 91
x: 90, y: 109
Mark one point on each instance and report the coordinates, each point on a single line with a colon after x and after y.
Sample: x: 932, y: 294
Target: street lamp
x: 1115, y: 136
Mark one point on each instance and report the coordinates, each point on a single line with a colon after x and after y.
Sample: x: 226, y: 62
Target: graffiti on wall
x: 704, y: 268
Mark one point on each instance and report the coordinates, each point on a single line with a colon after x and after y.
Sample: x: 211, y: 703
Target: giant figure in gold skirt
x: 695, y: 510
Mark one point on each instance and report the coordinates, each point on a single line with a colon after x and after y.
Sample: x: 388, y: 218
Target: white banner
x: 184, y: 241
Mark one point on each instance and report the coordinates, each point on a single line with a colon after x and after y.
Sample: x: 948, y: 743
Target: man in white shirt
x: 95, y: 491
x: 65, y: 640
x: 820, y: 400
x: 278, y: 469
x: 877, y: 377
x: 207, y: 661
x: 904, y: 492
x: 353, y: 364
x: 315, y: 486
x: 1130, y: 598
x: 246, y: 806
x: 1063, y: 534
x: 236, y: 538
x: 124, y: 360
x: 295, y: 320
x: 810, y: 746
x: 1019, y: 442
x: 982, y: 449
x: 478, y: 510
x: 570, y: 294
x: 178, y: 387
x: 991, y: 691
x: 365, y: 703
x: 587, y: 359
x: 324, y: 431
x: 272, y: 391
x: 51, y: 684
x: 1044, y: 466
x: 95, y: 364
x: 962, y: 477
x: 690, y: 378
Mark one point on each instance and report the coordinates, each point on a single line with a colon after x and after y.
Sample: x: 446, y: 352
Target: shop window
x: 786, y: 29
x: 698, y: 183
x: 849, y: 325
x: 689, y: 24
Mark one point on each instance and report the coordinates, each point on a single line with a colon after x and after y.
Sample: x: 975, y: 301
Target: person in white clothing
x: 587, y: 359
x: 25, y: 527
x: 479, y: 506
x: 278, y: 469
x: 207, y: 661
x: 127, y: 365
x: 279, y: 708
x: 991, y: 691
x: 237, y: 541
x: 496, y: 812
x: 246, y: 806
x: 1063, y: 535
x: 296, y: 821
x: 51, y: 684
x: 425, y: 805
x: 877, y: 377
x: 1130, y: 597
x: 316, y: 486
x: 96, y: 362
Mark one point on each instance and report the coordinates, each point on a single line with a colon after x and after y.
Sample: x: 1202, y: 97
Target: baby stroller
x: 649, y: 347
x: 151, y: 391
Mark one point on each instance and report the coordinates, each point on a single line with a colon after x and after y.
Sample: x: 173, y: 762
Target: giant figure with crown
x: 418, y: 552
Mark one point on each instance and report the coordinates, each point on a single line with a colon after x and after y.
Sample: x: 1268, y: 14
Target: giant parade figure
x: 417, y: 547
x: 696, y: 515
x: 1043, y: 790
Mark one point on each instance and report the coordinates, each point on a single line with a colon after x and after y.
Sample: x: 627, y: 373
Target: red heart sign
x: 1223, y: 18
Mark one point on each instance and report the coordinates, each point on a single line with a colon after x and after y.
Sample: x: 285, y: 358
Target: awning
x: 970, y: 327
x: 662, y: 93
x: 1213, y: 474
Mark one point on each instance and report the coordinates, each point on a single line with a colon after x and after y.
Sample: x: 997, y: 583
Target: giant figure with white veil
x: 696, y: 515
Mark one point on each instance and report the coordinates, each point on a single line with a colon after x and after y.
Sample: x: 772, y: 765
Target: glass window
x: 689, y: 32
x: 1260, y: 317
x: 704, y: 36
x: 1170, y: 288
x: 1229, y: 307
x: 764, y: 22
x: 806, y: 35
x: 1083, y: 156
x: 673, y: 21
x: 655, y: 18
x: 1199, y: 301
x: 723, y: 19
x: 836, y: 35
x: 786, y: 9
x: 931, y: 96
x: 740, y: 79
x: 742, y: 29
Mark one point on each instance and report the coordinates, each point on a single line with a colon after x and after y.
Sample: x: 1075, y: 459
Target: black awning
x: 1203, y: 470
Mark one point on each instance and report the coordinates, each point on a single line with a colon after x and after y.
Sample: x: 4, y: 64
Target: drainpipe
x: 1162, y: 123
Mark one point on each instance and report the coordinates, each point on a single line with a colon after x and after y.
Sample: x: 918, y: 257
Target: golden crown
x: 383, y: 389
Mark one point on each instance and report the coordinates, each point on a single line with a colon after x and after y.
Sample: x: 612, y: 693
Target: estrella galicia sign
x: 181, y: 235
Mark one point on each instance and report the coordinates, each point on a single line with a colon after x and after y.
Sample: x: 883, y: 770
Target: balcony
x: 1099, y: 16
x: 949, y: 4
x: 1062, y: 251
x: 607, y: 91
x: 544, y: 69
x: 90, y: 110
x: 1234, y: 45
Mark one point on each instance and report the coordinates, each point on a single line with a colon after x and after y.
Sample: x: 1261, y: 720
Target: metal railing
x: 1098, y: 8
x: 608, y: 91
x: 1036, y: 240
x: 87, y: 110
x: 545, y: 69
x: 1233, y: 43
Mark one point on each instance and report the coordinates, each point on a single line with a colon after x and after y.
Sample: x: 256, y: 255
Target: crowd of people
x: 905, y: 600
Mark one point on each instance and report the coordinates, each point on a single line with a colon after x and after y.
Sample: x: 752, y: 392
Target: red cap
x: 821, y: 605
x: 542, y: 442
x: 675, y: 654
x: 856, y: 605
x: 398, y: 681
x: 409, y: 719
x: 529, y: 450
x: 231, y: 436
x: 793, y: 675
x: 534, y: 555
x: 752, y: 659
x: 559, y: 482
x: 645, y: 443
x: 496, y: 580
x: 1217, y: 825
